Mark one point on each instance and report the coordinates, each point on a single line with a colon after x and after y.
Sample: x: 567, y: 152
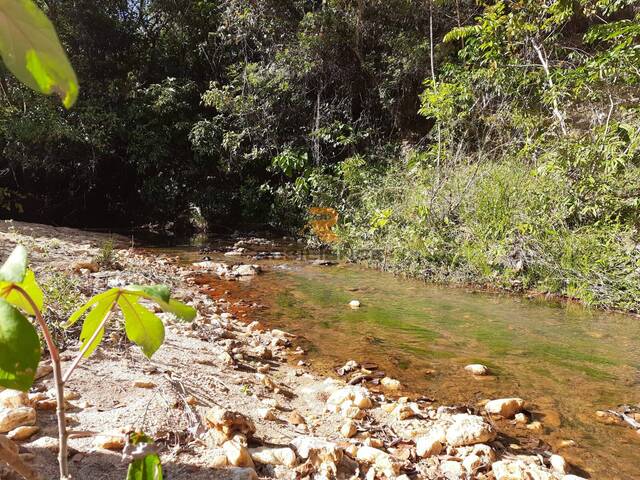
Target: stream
x: 565, y: 360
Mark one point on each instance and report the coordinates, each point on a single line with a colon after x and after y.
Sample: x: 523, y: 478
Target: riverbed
x: 565, y: 360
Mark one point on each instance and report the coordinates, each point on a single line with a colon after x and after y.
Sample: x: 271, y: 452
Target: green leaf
x: 161, y: 295
x: 160, y: 292
x: 179, y: 309
x: 30, y: 48
x: 19, y: 349
x: 30, y: 286
x: 145, y: 464
x: 91, y: 324
x: 108, y: 296
x: 15, y: 268
x: 143, y: 327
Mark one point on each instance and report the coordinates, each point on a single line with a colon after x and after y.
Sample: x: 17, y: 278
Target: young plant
x: 20, y: 351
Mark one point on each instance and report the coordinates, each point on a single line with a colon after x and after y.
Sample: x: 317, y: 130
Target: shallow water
x: 565, y: 360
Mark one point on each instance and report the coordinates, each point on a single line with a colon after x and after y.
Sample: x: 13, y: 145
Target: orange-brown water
x: 565, y: 360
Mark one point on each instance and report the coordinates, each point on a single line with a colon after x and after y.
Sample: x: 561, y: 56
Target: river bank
x: 232, y: 399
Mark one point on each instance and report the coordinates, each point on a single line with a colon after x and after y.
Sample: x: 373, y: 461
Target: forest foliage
x: 484, y: 141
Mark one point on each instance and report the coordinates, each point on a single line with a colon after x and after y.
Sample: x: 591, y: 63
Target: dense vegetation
x: 494, y: 142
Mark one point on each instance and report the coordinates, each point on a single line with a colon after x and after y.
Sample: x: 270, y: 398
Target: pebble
x: 535, y: 427
x: 390, y: 383
x: 11, y: 418
x: 274, y: 456
x: 348, y: 429
x: 237, y: 454
x: 354, y: 303
x: 429, y: 445
x: 521, y: 419
x: 506, y: 407
x: 13, y: 399
x: 477, y: 369
x: 23, y: 433
x: 144, y: 384
x: 559, y: 464
x: 296, y: 419
x: 267, y: 414
x: 468, y: 430
x: 110, y: 441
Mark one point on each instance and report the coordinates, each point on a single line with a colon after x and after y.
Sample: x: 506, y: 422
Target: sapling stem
x: 57, y: 378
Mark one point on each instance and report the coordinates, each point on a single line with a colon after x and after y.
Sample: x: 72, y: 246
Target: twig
x: 545, y: 66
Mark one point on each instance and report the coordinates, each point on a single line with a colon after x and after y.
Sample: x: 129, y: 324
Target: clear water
x: 565, y: 360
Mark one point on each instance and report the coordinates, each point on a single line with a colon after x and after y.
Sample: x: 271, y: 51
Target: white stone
x: 477, y: 369
x: 452, y: 469
x: 521, y: 419
x: 390, y: 383
x: 274, y: 456
x: 348, y: 429
x: 468, y: 430
x: 382, y: 461
x: 507, y: 407
x: 246, y: 270
x: 428, y: 445
x: 358, y: 396
x: 354, y: 303
x: 559, y: 464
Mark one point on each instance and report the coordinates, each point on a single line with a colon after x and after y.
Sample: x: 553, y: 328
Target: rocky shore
x: 234, y: 400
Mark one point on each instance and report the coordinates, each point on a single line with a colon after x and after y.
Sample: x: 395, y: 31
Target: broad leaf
x: 145, y: 462
x: 160, y: 295
x: 91, y: 324
x: 107, y: 297
x: 15, y: 268
x: 19, y: 349
x: 155, y: 292
x: 30, y: 48
x: 142, y: 327
x: 30, y: 286
x: 179, y: 309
